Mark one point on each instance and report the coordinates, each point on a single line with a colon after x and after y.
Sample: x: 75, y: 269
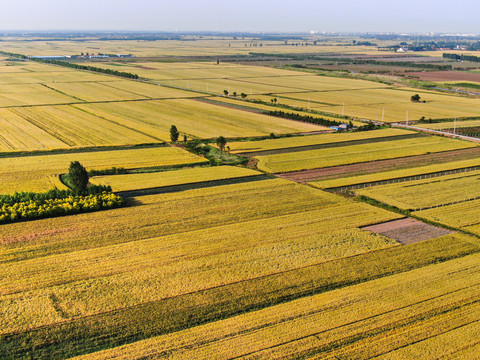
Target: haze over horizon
x: 247, y: 16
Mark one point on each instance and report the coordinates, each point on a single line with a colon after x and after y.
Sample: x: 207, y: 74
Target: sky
x: 460, y: 16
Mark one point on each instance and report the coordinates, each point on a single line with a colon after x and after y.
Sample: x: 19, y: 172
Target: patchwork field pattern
x: 49, y: 107
x: 312, y: 159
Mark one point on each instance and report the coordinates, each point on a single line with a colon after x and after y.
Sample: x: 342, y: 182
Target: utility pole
x: 383, y: 114
x: 343, y: 109
x: 455, y: 126
x: 407, y: 117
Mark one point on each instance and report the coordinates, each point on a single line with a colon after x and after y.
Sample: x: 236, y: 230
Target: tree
x: 221, y: 142
x: 77, y: 177
x: 174, y: 133
x: 184, y: 138
x: 234, y: 94
x: 415, y: 98
x: 243, y: 95
x: 225, y: 92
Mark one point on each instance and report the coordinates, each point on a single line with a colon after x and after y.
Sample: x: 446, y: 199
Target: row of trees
x: 304, y: 118
x: 234, y: 94
x: 471, y: 58
x: 89, y: 68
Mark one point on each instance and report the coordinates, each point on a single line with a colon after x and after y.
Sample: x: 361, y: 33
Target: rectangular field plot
x: 390, y: 176
x: 312, y: 159
x: 369, y: 103
x: 66, y: 126
x: 407, y: 231
x: 193, y: 118
x: 418, y: 194
x: 30, y: 94
x: 40, y: 172
x: 463, y: 215
x: 164, y: 72
x: 406, y: 313
x: 129, y: 182
x: 299, y: 141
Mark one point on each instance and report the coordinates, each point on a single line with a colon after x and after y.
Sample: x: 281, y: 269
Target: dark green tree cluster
x: 89, y: 68
x: 174, y: 134
x: 304, y: 118
x: 77, y: 177
x: 471, y: 58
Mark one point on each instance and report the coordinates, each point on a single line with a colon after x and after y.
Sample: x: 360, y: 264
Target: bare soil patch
x: 408, y: 231
x: 380, y: 165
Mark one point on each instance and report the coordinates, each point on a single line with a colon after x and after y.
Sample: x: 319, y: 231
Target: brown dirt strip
x: 329, y: 145
x: 407, y: 231
x: 381, y: 165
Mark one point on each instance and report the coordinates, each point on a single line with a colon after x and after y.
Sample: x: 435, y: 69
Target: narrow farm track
x: 380, y: 165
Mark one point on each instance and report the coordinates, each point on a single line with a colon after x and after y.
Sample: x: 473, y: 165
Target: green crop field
x: 312, y: 159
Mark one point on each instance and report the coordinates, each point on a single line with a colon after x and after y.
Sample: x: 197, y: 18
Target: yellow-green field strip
x: 383, y: 178
x: 168, y: 181
x: 313, y: 159
x: 427, y: 193
x: 322, y: 139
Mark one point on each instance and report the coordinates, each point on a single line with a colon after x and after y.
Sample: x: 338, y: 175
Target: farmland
x: 204, y: 258
x: 427, y: 193
x: 350, y: 154
x: 293, y: 142
x: 40, y: 172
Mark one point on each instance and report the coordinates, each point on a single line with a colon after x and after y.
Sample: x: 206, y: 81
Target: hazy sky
x: 243, y: 15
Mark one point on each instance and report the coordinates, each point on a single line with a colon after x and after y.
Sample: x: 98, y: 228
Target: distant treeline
x: 88, y: 67
x: 304, y: 118
x: 343, y: 60
x: 6, y: 53
x: 471, y: 58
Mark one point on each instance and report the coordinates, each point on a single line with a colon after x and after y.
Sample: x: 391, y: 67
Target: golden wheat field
x: 368, y: 320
